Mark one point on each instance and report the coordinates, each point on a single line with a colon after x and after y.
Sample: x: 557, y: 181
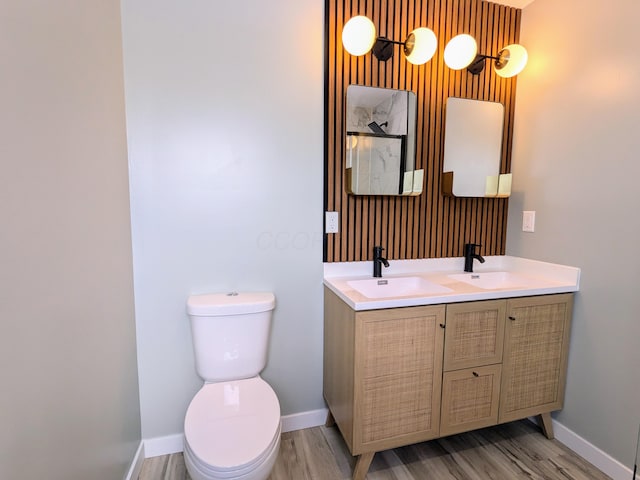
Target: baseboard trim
x: 136, y: 463
x: 300, y: 421
x: 154, y: 447
x: 592, y: 454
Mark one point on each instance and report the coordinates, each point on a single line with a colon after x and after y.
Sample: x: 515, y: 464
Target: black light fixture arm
x: 477, y: 65
x: 383, y: 48
x: 387, y: 40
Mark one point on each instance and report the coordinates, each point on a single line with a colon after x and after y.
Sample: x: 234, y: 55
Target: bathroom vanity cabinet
x: 398, y: 376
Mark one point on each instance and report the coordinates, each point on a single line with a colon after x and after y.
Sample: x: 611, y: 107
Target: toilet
x: 232, y: 426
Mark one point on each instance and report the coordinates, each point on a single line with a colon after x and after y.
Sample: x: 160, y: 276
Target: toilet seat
x: 232, y: 427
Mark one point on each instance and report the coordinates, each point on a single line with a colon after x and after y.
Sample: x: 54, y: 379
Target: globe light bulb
x: 358, y: 35
x: 420, y: 46
x: 511, y: 60
x: 460, y: 51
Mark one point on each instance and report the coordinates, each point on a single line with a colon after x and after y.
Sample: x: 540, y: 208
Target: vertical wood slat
x: 429, y: 225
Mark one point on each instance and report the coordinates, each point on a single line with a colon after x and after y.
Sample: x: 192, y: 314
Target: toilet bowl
x: 232, y: 426
x: 232, y: 430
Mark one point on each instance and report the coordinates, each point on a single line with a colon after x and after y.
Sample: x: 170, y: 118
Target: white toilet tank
x: 230, y: 334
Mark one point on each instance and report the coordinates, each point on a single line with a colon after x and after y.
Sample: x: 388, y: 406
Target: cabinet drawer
x: 474, y: 334
x: 470, y: 399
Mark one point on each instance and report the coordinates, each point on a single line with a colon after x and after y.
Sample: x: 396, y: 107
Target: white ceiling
x: 514, y: 3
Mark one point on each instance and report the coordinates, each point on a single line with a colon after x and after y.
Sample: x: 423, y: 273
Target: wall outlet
x: 528, y: 221
x: 331, y: 222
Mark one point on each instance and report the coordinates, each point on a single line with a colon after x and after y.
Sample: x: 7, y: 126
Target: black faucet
x: 469, y: 255
x: 378, y: 260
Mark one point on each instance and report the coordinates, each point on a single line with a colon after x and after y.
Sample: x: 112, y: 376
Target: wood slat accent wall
x: 430, y: 225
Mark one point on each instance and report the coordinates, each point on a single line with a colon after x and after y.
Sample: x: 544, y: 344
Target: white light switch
x: 528, y: 221
x: 331, y: 222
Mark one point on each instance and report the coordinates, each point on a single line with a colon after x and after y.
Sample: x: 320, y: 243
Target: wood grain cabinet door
x: 474, y: 334
x: 398, y: 377
x: 535, y: 355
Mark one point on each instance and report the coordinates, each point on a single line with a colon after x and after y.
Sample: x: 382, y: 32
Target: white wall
x: 225, y: 129
x: 69, y: 405
x: 576, y: 163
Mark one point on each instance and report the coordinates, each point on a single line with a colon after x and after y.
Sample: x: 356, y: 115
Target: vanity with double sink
x: 428, y: 350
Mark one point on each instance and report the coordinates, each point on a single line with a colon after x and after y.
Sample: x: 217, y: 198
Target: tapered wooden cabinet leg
x: 547, y: 426
x: 362, y: 465
x: 330, y: 421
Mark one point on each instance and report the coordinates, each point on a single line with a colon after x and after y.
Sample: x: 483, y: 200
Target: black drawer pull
x: 442, y: 325
x: 512, y: 318
x: 475, y: 374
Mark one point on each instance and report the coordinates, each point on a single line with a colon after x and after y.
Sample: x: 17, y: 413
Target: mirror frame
x: 379, y: 148
x: 474, y: 132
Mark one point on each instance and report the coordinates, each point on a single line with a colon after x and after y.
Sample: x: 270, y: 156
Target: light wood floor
x: 512, y: 451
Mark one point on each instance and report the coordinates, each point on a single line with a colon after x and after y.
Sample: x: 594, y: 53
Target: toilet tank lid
x: 232, y: 303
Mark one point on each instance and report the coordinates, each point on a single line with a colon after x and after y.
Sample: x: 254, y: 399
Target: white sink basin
x: 396, y: 287
x: 492, y: 280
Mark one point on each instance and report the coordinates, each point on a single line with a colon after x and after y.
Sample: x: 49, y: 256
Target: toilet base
x: 260, y: 471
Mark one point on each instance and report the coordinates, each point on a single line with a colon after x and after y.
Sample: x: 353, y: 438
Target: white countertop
x: 542, y: 278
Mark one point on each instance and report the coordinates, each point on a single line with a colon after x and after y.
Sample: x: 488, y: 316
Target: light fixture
x: 359, y: 37
x: 510, y: 61
x: 420, y: 46
x: 460, y: 51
